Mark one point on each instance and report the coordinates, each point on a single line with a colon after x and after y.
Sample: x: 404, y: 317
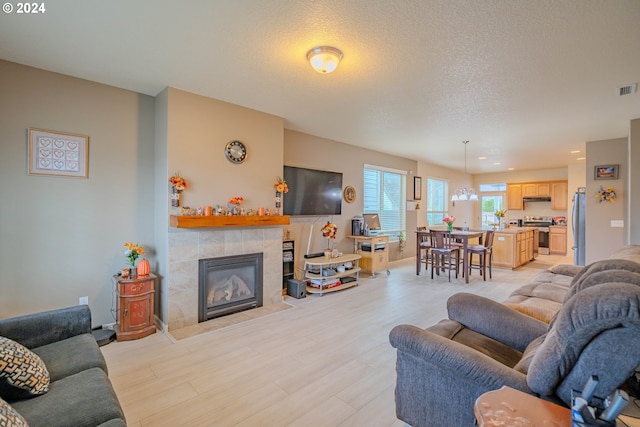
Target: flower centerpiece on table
x: 281, y: 185
x: 606, y: 195
x: 133, y: 252
x: 330, y: 230
x: 449, y: 220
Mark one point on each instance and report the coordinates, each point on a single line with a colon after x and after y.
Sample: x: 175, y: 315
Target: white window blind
x: 385, y: 194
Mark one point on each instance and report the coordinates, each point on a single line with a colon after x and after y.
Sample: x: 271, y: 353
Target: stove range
x: 542, y: 223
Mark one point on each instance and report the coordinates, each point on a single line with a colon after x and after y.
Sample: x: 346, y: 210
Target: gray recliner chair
x: 484, y: 345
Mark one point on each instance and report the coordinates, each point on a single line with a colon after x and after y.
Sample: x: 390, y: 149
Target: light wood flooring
x: 325, y: 362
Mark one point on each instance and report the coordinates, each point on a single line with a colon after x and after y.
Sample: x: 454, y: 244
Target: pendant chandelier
x: 464, y: 193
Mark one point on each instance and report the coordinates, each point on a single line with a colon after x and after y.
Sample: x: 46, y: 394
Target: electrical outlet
x: 83, y: 301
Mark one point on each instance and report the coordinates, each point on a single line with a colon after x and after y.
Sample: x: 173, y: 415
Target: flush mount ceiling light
x: 465, y: 193
x: 324, y: 59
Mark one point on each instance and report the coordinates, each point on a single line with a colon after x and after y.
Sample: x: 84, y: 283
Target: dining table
x: 462, y: 235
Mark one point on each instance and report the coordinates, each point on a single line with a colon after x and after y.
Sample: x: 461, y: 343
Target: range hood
x: 537, y: 199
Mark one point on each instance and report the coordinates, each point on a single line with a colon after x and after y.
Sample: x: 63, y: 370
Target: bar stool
x: 484, y: 252
x: 443, y: 248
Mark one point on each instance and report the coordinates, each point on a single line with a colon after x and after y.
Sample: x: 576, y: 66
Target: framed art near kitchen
x: 417, y: 188
x: 606, y: 172
x: 58, y: 154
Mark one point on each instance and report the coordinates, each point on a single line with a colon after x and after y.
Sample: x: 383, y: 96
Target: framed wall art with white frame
x: 56, y: 153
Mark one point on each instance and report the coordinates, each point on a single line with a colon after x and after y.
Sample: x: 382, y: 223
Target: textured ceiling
x: 524, y: 81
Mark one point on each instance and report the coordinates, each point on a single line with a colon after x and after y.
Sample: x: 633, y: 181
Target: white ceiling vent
x: 627, y: 89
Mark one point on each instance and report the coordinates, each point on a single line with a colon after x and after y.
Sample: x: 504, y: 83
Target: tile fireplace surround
x: 186, y: 247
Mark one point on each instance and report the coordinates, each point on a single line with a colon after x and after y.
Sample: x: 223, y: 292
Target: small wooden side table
x: 135, y: 307
x: 508, y: 406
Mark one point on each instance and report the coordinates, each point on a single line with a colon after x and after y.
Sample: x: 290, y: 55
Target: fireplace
x: 228, y: 285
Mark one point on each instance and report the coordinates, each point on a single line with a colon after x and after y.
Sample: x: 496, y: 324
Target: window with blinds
x: 385, y: 194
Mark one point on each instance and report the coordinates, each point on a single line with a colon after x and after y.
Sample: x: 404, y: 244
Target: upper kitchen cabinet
x: 514, y: 197
x: 536, y: 189
x: 559, y: 196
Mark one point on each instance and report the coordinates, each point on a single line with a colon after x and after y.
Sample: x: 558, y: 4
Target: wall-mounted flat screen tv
x: 312, y: 192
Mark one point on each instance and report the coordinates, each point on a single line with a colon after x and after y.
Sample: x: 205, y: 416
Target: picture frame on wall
x: 417, y: 188
x: 56, y: 153
x: 606, y: 172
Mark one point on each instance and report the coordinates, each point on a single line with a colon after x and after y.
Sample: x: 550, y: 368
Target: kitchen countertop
x: 515, y: 230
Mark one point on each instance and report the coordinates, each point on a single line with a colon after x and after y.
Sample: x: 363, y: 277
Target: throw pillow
x: 22, y: 372
x: 9, y: 417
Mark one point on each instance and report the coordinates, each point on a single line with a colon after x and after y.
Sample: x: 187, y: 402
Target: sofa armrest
x: 456, y: 358
x: 495, y: 320
x: 38, y: 329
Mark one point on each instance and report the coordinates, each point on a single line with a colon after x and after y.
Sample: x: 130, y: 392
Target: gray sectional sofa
x: 543, y: 296
x: 80, y: 393
x: 547, y: 339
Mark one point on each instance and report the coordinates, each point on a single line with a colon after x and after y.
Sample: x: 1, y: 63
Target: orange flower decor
x: 236, y: 201
x: 132, y: 252
x: 178, y: 182
x: 329, y: 230
x: 281, y: 185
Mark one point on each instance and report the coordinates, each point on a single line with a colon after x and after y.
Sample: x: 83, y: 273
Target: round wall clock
x: 349, y: 194
x: 236, y: 152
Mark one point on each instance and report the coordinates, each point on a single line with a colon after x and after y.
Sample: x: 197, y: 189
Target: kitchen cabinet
x: 559, y: 196
x: 558, y: 240
x: 536, y: 189
x: 513, y: 247
x: 514, y: 197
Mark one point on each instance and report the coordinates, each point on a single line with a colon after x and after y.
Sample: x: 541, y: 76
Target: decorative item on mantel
x: 234, y: 202
x: 178, y: 184
x: 449, y: 220
x: 132, y: 253
x: 606, y: 195
x: 281, y: 188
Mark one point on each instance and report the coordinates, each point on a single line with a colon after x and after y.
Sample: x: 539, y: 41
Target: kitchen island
x: 513, y: 247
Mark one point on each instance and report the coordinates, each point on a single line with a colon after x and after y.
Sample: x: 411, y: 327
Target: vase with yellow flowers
x: 132, y: 253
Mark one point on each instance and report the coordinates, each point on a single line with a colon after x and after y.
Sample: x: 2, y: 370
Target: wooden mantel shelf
x: 194, y: 221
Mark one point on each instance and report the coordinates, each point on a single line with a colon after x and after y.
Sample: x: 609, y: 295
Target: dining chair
x: 425, y: 246
x: 485, y: 254
x: 443, y: 248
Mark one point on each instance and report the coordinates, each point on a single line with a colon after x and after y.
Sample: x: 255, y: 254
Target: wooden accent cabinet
x: 375, y: 256
x: 135, y: 307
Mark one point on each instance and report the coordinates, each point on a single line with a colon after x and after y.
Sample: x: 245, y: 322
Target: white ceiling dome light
x: 324, y: 59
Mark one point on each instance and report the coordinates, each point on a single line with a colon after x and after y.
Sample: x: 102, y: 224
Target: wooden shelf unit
x: 324, y: 263
x: 195, y: 221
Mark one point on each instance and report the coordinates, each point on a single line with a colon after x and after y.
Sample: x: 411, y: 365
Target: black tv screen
x: 312, y: 192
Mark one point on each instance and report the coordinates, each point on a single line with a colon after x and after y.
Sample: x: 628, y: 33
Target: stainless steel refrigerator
x: 578, y: 222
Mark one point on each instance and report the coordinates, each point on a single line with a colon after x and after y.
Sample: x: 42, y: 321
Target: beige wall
x: 62, y: 238
x: 633, y: 185
x: 601, y: 238
x: 313, y: 152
